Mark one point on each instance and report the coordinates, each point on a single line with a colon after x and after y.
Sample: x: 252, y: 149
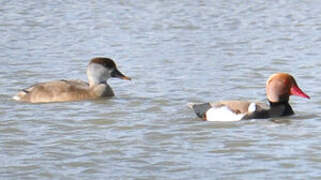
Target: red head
x: 282, y: 85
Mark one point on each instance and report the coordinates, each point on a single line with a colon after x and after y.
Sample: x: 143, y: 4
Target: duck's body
x: 239, y: 110
x: 279, y: 87
x: 63, y: 90
x: 98, y: 71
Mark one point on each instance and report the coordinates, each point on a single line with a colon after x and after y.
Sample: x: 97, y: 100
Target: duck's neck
x: 276, y: 110
x: 99, y: 88
x: 94, y: 82
x: 280, y: 109
x: 96, y: 75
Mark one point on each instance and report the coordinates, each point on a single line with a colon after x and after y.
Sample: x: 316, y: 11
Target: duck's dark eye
x: 112, y: 72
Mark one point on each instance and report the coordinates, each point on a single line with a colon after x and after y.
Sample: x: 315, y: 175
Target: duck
x: 99, y: 70
x: 279, y: 88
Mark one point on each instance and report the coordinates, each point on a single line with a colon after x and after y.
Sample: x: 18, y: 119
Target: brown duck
x: 99, y: 70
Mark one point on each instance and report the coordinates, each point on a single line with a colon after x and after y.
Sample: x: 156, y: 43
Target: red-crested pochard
x: 99, y: 70
x: 279, y: 87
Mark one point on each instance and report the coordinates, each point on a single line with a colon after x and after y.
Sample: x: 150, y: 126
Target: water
x: 176, y: 52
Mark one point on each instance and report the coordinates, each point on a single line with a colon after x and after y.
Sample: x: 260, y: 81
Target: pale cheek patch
x: 223, y: 114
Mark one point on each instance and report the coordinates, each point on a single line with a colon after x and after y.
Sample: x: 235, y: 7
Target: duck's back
x: 238, y: 107
x: 55, y: 91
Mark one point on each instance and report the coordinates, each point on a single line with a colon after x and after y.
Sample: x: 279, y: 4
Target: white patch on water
x: 17, y: 98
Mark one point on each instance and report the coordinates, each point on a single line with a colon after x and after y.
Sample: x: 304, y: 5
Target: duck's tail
x: 20, y: 95
x: 200, y: 109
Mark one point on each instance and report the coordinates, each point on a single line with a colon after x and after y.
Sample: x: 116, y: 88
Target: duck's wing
x: 54, y: 91
x: 238, y: 107
x: 78, y: 84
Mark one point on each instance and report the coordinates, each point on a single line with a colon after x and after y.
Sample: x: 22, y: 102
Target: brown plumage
x: 235, y: 106
x: 98, y: 71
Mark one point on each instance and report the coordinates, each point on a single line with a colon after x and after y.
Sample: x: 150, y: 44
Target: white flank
x: 252, y: 107
x: 222, y: 114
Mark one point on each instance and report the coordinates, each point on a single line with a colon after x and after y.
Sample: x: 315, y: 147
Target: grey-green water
x: 176, y: 52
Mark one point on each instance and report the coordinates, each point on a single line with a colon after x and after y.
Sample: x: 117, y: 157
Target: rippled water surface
x: 175, y: 52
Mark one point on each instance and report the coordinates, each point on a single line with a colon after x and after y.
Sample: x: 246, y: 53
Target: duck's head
x: 100, y: 69
x: 280, y: 86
